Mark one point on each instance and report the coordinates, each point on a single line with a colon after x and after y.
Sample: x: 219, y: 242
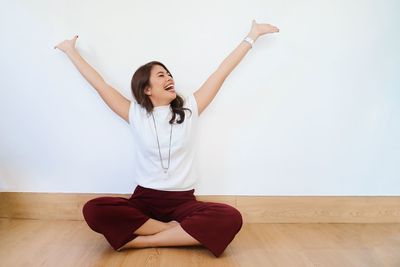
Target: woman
x: 163, y: 211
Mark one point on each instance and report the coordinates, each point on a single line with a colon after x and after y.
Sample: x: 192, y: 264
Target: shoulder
x: 191, y: 103
x: 135, y: 110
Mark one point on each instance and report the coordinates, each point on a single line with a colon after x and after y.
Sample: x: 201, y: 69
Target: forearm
x: 90, y: 74
x: 234, y: 58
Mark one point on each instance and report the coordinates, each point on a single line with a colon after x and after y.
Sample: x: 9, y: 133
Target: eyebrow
x: 162, y: 72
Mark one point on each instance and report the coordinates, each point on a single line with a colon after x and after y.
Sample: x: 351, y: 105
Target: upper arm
x: 115, y: 100
x: 206, y: 93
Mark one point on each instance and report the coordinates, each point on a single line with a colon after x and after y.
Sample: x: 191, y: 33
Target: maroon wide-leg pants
x: 214, y: 225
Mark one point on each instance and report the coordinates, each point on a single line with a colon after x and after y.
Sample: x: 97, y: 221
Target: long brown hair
x: 141, y: 79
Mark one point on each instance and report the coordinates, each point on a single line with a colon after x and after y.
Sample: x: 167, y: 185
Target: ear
x: 147, y: 90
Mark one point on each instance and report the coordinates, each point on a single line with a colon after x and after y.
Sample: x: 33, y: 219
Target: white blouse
x: 148, y: 171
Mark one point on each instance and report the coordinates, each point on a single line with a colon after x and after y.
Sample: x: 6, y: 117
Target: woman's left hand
x: 258, y: 29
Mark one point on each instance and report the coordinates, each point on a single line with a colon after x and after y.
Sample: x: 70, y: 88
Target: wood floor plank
x: 73, y: 243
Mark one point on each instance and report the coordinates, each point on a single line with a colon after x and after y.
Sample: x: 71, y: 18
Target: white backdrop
x: 311, y: 110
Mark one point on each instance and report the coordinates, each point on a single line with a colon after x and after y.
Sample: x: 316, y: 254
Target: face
x: 162, y: 87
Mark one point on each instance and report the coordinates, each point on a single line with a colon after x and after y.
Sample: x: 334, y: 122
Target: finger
x: 274, y: 28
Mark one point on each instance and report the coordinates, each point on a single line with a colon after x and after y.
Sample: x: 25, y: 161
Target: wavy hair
x: 141, y: 79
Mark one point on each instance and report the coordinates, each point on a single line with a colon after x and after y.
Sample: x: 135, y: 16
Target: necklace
x: 158, y: 143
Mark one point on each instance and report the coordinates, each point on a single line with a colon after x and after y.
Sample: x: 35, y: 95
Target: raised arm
x: 115, y: 100
x: 206, y: 93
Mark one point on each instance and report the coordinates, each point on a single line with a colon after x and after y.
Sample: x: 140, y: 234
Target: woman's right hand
x: 67, y: 45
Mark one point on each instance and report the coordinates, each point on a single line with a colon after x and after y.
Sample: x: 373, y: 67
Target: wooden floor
x: 73, y: 243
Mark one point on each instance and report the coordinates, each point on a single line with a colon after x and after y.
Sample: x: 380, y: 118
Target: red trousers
x: 214, y: 225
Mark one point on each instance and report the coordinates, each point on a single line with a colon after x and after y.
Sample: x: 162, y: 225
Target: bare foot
x: 139, y: 241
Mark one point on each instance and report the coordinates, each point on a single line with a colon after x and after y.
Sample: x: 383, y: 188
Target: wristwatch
x: 249, y: 40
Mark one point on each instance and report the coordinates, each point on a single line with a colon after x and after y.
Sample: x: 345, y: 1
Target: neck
x: 159, y: 103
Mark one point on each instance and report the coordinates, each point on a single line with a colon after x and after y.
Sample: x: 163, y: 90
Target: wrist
x: 70, y: 51
x: 250, y: 38
x: 253, y: 35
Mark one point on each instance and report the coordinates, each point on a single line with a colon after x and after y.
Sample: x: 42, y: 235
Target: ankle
x: 172, y: 224
x: 139, y: 242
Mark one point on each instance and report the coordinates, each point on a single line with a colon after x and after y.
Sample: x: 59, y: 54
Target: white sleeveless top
x: 147, y: 168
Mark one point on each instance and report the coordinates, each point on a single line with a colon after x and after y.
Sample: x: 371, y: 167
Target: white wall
x: 311, y: 110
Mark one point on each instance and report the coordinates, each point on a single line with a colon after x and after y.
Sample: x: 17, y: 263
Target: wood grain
x: 72, y: 243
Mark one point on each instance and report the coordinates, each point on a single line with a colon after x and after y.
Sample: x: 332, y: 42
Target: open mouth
x: 170, y: 88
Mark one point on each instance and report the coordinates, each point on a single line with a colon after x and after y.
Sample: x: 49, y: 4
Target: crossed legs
x: 154, y: 233
x: 213, y: 225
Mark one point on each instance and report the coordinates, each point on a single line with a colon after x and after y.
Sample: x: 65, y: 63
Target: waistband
x: 143, y: 192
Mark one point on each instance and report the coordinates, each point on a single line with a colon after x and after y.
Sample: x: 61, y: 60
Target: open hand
x: 67, y: 45
x: 258, y: 29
